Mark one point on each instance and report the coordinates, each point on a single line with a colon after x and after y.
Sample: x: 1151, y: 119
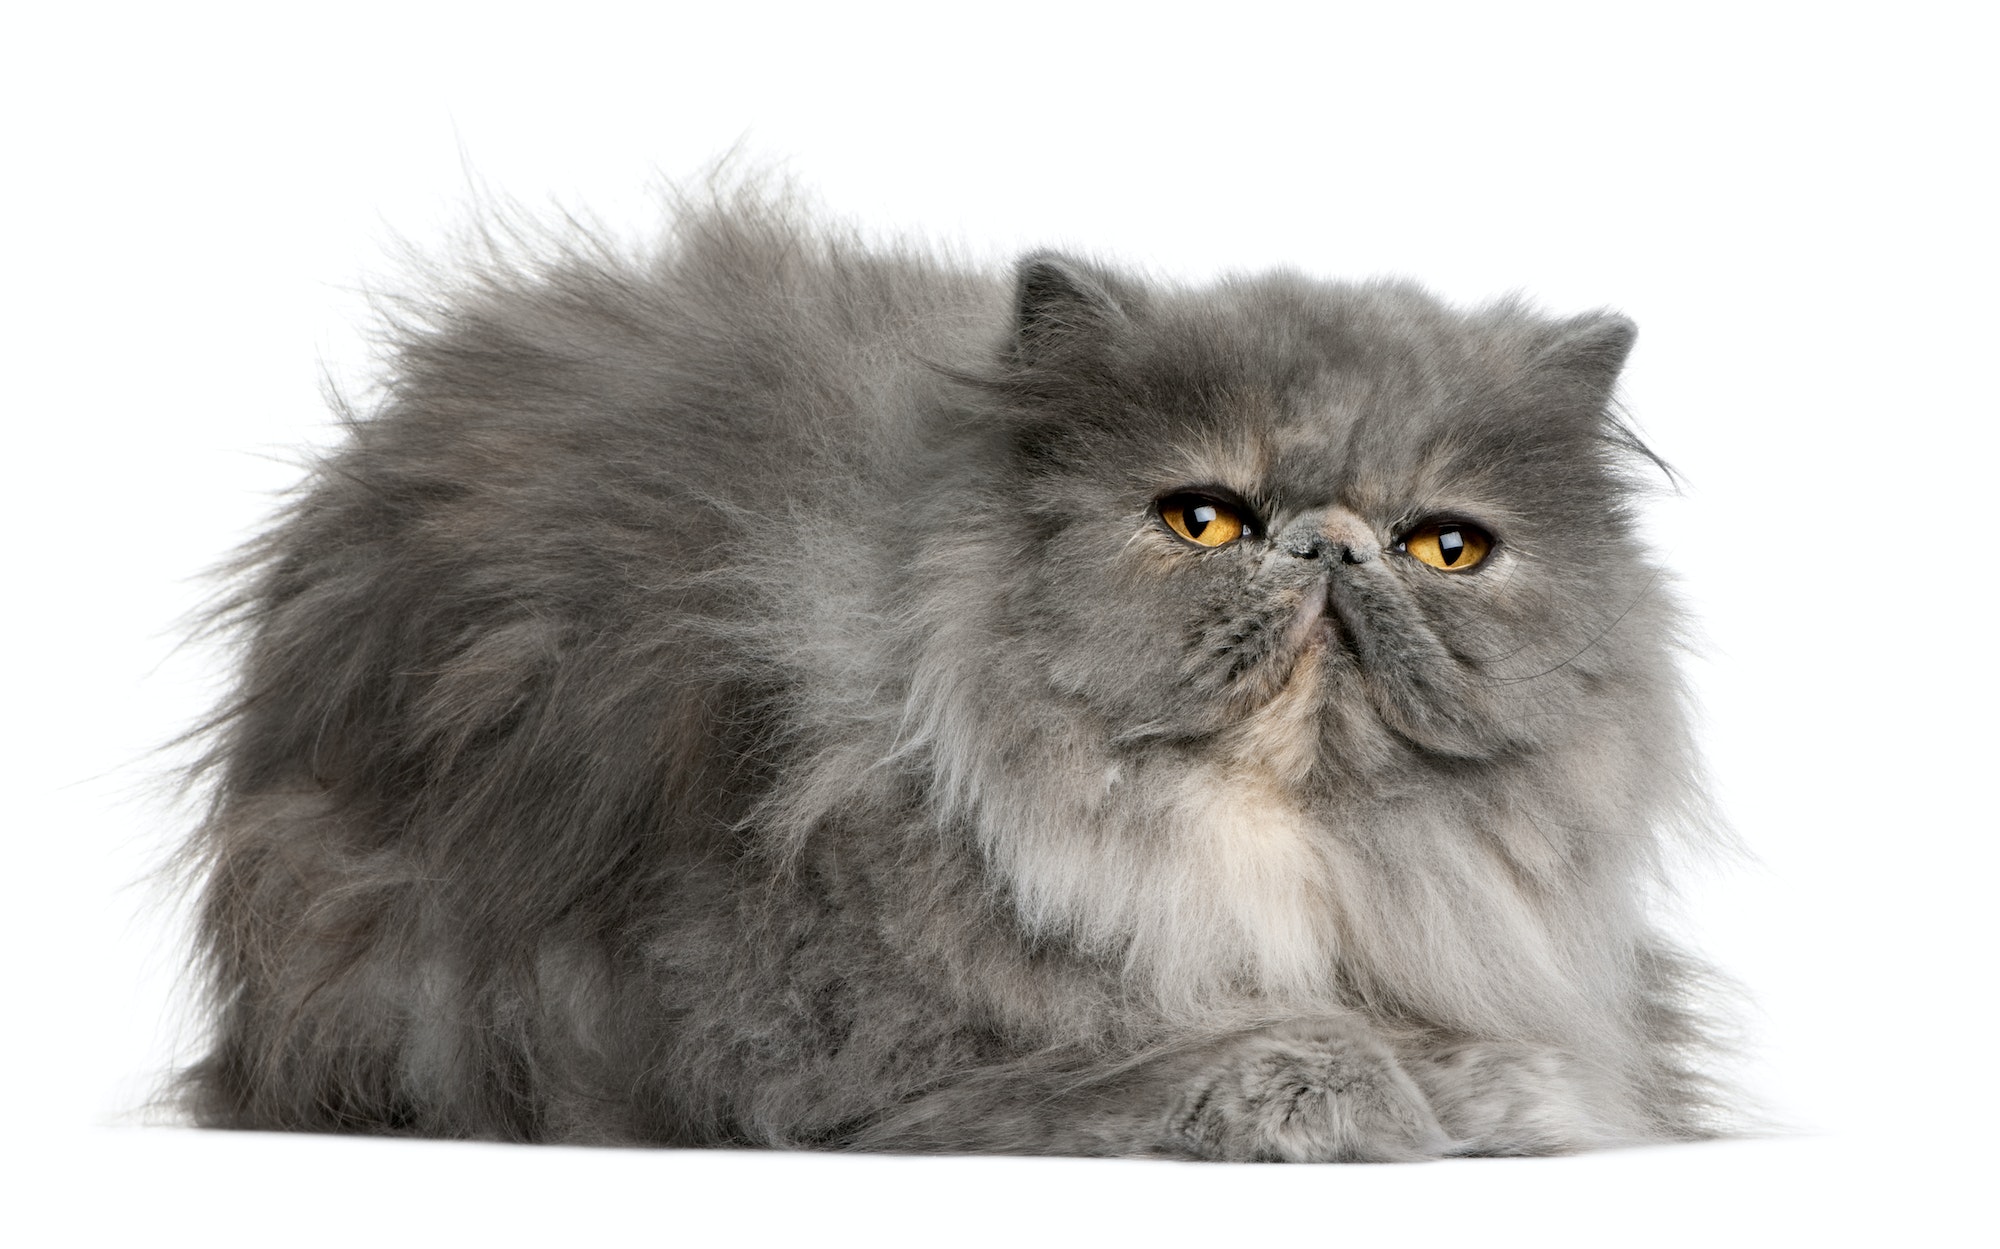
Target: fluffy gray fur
x: 747, y: 695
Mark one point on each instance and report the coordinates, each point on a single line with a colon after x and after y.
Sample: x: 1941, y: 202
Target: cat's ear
x: 1590, y: 350
x: 1585, y: 355
x: 1062, y: 305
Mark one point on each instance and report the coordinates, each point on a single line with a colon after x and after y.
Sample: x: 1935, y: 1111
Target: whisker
x: 1581, y: 650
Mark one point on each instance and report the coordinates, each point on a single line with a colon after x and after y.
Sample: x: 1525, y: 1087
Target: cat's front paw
x: 1319, y: 1091
x: 1497, y: 1098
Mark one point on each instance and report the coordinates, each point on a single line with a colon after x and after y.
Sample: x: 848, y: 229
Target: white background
x: 1793, y: 201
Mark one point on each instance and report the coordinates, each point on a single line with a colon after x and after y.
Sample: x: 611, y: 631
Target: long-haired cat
x: 785, y: 691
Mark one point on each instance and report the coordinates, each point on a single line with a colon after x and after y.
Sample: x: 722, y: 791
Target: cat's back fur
x: 744, y: 693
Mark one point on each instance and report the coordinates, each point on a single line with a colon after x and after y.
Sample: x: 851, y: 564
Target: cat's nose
x: 1334, y: 534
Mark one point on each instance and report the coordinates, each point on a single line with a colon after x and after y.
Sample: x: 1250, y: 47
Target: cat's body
x: 779, y: 693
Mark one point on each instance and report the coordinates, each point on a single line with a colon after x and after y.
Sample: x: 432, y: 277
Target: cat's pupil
x: 1199, y: 518
x: 1451, y: 545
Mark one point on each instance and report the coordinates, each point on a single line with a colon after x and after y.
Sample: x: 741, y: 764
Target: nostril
x: 1305, y: 545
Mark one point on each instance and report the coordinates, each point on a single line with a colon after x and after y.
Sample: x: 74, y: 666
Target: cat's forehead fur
x: 1300, y: 394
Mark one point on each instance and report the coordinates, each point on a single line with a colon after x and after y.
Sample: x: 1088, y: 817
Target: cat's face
x: 1340, y: 524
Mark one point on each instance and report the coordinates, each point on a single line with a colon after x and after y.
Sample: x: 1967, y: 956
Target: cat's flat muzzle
x: 1335, y: 535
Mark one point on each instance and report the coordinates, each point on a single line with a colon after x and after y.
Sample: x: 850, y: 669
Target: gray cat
x: 788, y: 692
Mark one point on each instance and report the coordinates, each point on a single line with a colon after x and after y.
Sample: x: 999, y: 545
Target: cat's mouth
x: 1314, y: 631
x: 1321, y: 630
x: 1312, y: 624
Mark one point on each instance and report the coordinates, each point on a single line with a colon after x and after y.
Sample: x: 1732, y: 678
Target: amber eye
x: 1452, y: 545
x: 1202, y: 520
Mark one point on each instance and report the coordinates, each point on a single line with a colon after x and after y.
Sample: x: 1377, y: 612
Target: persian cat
x: 783, y: 690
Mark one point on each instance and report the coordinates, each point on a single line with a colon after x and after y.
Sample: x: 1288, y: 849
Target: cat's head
x: 1327, y: 526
